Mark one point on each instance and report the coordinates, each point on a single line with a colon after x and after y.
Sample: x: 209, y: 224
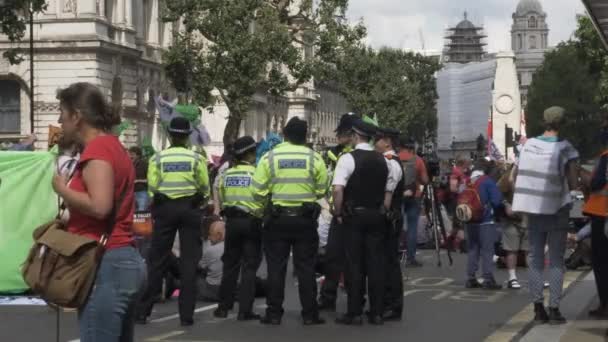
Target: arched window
x: 532, y: 22
x: 10, y: 106
x: 533, y: 42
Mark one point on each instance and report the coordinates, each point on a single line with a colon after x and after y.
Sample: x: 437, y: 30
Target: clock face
x: 504, y: 104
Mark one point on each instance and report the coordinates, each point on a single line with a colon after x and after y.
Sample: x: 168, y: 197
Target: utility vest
x: 177, y: 167
x: 597, y: 204
x: 236, y: 191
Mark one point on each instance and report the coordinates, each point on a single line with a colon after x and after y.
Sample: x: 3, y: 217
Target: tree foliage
x: 571, y: 77
x: 232, y: 49
x: 398, y: 86
x: 14, y: 17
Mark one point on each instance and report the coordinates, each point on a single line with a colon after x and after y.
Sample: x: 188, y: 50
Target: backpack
x: 409, y: 174
x: 469, y: 208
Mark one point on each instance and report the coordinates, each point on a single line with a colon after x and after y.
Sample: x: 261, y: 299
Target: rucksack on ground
x: 469, y: 208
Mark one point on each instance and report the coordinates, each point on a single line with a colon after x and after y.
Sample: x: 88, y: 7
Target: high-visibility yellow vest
x: 235, y: 190
x: 597, y: 204
x: 291, y: 175
x: 178, y: 172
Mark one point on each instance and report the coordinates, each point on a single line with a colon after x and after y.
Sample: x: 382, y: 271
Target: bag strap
x: 114, y: 215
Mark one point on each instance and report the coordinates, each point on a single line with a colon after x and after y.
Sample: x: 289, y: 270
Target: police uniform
x: 178, y: 180
x: 294, y: 177
x: 393, y: 296
x: 333, y: 258
x: 243, y: 243
x: 364, y: 175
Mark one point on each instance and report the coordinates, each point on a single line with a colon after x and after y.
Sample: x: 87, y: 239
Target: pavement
x: 437, y: 308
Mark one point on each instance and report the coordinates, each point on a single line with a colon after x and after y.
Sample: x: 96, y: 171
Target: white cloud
x: 398, y: 23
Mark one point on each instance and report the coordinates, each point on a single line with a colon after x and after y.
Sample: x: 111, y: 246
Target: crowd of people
x: 365, y: 190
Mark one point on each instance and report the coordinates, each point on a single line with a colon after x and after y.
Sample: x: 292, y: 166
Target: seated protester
x: 211, y: 264
x: 482, y: 236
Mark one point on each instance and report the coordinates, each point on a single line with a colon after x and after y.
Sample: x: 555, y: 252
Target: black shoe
x: 324, y: 305
x: 599, y: 312
x: 248, y: 316
x: 314, y: 321
x: 270, y: 320
x: 540, y: 314
x: 472, y: 284
x: 491, y: 285
x: 413, y: 263
x: 187, y: 322
x: 555, y: 317
x: 375, y: 320
x: 392, y: 315
x: 220, y: 313
x: 349, y: 320
x: 141, y: 319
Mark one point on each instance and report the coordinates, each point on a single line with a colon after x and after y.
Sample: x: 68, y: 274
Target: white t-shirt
x: 346, y: 166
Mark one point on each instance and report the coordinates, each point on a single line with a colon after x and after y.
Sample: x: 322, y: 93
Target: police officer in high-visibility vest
x: 597, y: 208
x: 294, y: 177
x: 361, y: 184
x: 178, y: 180
x: 243, y: 245
x: 333, y: 257
x: 386, y: 140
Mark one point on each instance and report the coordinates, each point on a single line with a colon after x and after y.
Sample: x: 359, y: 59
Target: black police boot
x: 540, y: 314
x: 600, y: 312
x: 375, y: 320
x: 220, y: 313
x: 314, y: 321
x: 555, y: 317
x: 248, y: 316
x: 187, y: 322
x: 392, y: 315
x: 349, y: 320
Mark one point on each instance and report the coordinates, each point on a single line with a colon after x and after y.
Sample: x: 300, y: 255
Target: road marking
x: 165, y: 336
x: 168, y: 318
x: 523, y: 319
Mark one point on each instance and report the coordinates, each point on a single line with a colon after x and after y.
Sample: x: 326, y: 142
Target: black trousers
x: 169, y: 217
x: 393, y: 296
x: 242, y: 255
x: 333, y: 263
x: 599, y: 257
x: 281, y: 235
x: 365, y: 258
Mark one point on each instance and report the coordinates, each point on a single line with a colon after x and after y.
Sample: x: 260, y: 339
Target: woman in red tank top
x: 100, y: 194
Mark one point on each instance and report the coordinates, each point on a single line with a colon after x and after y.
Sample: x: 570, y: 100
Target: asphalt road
x: 438, y: 308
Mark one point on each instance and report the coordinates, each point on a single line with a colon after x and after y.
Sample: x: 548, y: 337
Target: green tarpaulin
x: 27, y: 200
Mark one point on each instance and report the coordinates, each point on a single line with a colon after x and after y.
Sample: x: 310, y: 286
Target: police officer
x: 360, y: 183
x: 294, y: 177
x: 178, y: 180
x: 243, y: 242
x: 333, y: 257
x: 386, y: 140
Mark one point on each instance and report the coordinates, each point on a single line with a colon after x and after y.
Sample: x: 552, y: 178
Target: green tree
x: 399, y: 86
x: 14, y: 17
x: 565, y: 80
x: 232, y: 49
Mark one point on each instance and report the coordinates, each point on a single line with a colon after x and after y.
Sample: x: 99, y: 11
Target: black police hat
x: 346, y: 123
x: 296, y: 130
x: 243, y: 145
x: 364, y: 129
x: 388, y: 132
x: 180, y: 125
x: 407, y: 142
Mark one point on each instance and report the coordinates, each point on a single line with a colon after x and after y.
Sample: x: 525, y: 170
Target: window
x: 520, y: 42
x: 532, y: 23
x: 532, y: 42
x: 10, y: 107
x: 519, y: 78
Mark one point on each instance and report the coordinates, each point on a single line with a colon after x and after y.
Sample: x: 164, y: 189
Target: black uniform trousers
x: 333, y: 263
x: 169, y: 217
x: 281, y: 235
x: 393, y: 296
x: 365, y: 254
x: 242, y: 255
x: 599, y: 257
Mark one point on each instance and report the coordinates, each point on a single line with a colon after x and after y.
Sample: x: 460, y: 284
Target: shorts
x: 515, y: 238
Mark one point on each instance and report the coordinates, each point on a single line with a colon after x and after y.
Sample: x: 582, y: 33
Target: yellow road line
x: 517, y: 323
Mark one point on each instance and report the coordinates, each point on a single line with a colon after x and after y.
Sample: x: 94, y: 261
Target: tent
x: 27, y: 200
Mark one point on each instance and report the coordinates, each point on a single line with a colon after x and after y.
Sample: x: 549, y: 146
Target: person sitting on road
x: 210, y: 266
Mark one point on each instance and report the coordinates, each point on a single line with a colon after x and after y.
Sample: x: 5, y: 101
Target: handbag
x: 61, y: 266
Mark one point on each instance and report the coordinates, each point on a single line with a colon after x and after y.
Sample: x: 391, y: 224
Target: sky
x: 399, y: 23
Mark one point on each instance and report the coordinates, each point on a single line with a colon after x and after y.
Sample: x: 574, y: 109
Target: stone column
x: 128, y: 13
x: 140, y: 13
x: 153, y: 32
x: 119, y: 12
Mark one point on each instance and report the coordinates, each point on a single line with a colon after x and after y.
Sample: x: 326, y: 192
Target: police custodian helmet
x: 179, y: 125
x: 243, y: 145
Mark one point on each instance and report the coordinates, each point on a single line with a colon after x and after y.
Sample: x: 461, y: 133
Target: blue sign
x: 237, y: 182
x: 292, y: 164
x: 177, y: 167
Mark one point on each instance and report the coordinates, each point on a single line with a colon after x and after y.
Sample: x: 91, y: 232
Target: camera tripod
x: 435, y: 223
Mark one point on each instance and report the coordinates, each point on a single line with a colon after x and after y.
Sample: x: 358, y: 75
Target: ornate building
x: 529, y: 41
x: 464, y: 43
